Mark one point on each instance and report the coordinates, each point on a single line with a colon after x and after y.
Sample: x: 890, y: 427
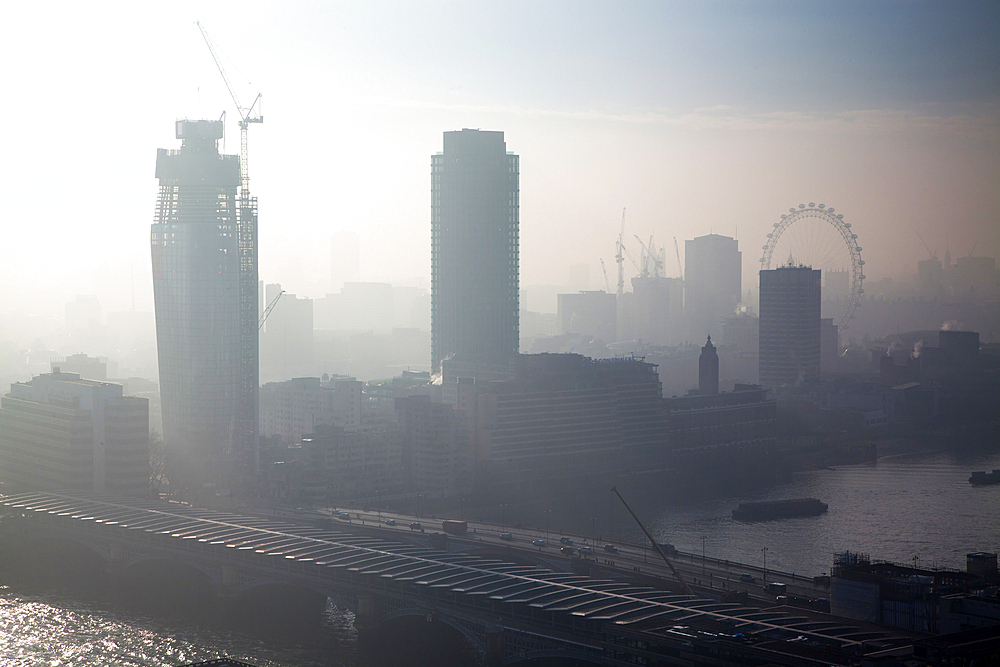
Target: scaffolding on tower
x: 245, y: 444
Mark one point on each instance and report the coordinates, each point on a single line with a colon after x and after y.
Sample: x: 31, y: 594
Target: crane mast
x: 620, y: 257
x: 245, y: 436
x: 247, y: 115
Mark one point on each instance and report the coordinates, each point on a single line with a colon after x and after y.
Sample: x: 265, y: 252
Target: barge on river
x: 982, y: 478
x: 779, y: 509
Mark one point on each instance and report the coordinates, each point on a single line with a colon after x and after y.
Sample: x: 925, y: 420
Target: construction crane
x: 267, y: 311
x: 684, y: 587
x: 251, y: 114
x: 620, y: 256
x: 930, y: 254
x: 680, y: 267
x: 607, y: 283
x: 652, y: 261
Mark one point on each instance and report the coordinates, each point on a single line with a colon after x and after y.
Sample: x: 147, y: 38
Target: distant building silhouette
x: 474, y: 248
x: 204, y: 256
x: 61, y: 432
x: 789, y: 325
x: 713, y: 268
x: 593, y: 314
x: 708, y: 369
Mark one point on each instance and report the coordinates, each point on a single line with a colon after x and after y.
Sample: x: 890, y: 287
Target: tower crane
x: 930, y: 254
x: 607, y: 283
x: 267, y: 311
x: 620, y: 256
x: 251, y: 114
x: 680, y: 267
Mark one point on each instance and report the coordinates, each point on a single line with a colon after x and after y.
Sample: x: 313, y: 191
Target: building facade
x: 474, y: 248
x: 61, y: 432
x: 204, y: 258
x: 713, y: 269
x: 296, y: 407
x: 565, y: 418
x: 790, y: 298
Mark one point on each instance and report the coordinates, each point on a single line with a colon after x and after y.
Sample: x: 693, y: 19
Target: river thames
x: 904, y: 506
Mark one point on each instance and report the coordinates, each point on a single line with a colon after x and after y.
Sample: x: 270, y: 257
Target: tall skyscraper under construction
x: 474, y: 249
x: 204, y: 252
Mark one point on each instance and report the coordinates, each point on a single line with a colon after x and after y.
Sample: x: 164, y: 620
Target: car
x: 507, y: 536
x: 747, y: 578
x: 610, y: 548
x: 565, y: 540
x: 390, y: 522
x: 569, y: 551
x: 538, y: 543
x: 585, y: 551
x: 344, y: 516
x: 415, y: 526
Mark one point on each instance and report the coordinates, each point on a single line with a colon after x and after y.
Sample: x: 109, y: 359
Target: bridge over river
x: 510, y: 612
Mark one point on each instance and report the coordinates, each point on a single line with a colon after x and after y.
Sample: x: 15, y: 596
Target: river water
x: 903, y: 506
x: 907, y: 505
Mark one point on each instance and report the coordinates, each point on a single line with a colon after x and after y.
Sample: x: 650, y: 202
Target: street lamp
x: 593, y: 528
x: 915, y: 559
x: 547, y: 513
x: 703, y: 554
x: 503, y: 517
x: 379, y: 491
x: 765, y: 563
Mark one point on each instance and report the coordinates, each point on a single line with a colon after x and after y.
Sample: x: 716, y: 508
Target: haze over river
x: 904, y: 506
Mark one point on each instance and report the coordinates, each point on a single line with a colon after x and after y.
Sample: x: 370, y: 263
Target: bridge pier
x: 225, y: 593
x: 494, y: 648
x: 366, y: 622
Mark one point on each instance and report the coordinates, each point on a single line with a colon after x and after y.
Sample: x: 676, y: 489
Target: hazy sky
x: 696, y: 116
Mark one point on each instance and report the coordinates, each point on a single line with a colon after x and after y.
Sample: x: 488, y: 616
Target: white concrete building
x: 62, y: 432
x: 296, y: 407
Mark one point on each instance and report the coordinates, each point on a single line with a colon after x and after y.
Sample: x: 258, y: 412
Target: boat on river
x: 779, y: 509
x: 982, y: 478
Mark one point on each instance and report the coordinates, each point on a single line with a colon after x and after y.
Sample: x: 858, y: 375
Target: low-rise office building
x: 59, y: 431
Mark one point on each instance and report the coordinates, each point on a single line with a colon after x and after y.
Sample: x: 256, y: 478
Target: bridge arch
x: 474, y: 634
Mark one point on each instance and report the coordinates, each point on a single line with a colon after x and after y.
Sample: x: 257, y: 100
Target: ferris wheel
x: 818, y: 236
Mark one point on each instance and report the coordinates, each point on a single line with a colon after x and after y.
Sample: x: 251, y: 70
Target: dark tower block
x: 474, y: 249
x: 708, y: 369
x: 790, y: 332
x: 204, y: 254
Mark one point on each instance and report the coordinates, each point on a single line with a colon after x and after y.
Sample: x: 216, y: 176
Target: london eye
x: 816, y: 235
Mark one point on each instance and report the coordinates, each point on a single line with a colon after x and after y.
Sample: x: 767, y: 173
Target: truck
x: 455, y: 527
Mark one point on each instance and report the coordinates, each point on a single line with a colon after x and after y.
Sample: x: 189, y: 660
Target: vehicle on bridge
x: 585, y: 551
x: 610, y: 548
x: 748, y: 578
x: 507, y: 536
x: 568, y: 551
x: 775, y: 587
x: 455, y: 527
x: 416, y: 526
x: 538, y: 543
x: 390, y: 522
x: 566, y: 540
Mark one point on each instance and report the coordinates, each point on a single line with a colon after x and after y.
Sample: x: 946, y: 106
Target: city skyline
x: 894, y: 123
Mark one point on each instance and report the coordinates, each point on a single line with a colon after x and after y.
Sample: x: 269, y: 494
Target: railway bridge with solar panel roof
x: 510, y: 612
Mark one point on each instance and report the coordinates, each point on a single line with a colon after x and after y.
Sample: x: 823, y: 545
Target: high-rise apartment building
x: 61, y: 432
x: 713, y: 266
x: 474, y: 249
x: 789, y: 325
x: 204, y: 252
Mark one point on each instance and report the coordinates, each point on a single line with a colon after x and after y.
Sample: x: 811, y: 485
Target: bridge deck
x: 603, y: 601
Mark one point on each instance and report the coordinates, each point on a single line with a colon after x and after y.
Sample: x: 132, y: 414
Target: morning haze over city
x: 479, y: 333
